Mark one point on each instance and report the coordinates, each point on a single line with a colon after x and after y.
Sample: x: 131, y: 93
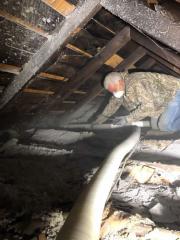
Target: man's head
x: 115, y: 84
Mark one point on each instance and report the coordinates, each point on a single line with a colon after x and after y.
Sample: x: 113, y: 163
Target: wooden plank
x: 95, y: 63
x: 78, y: 18
x: 16, y: 70
x: 54, y: 77
x: 23, y: 23
x: 155, y: 48
x: 103, y: 26
x: 78, y: 50
x: 143, y: 18
x: 61, y: 6
x: 132, y: 59
x: 9, y: 68
x: 112, y: 61
x: 37, y: 91
x: 80, y: 92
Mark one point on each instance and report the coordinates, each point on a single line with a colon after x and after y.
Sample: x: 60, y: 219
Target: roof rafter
x: 78, y: 18
x: 95, y: 63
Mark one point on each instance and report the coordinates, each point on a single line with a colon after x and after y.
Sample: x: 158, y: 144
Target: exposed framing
x: 69, y: 26
x: 78, y: 18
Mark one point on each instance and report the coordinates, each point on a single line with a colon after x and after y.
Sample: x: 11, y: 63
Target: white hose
x: 84, y: 220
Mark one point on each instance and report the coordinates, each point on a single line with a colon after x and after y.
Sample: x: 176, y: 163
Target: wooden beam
x: 97, y: 89
x: 78, y: 18
x: 147, y: 64
x: 9, y: 68
x: 16, y: 70
x: 95, y: 63
x: 37, y: 91
x: 78, y: 50
x: 54, y: 77
x: 144, y: 19
x: 103, y: 26
x: 132, y: 59
x: 32, y: 91
x: 61, y: 6
x: 112, y: 61
x: 155, y: 48
x: 23, y: 23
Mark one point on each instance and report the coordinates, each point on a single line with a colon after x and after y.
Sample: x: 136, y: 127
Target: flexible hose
x: 84, y: 220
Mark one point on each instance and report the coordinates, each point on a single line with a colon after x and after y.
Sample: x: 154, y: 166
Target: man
x: 144, y: 94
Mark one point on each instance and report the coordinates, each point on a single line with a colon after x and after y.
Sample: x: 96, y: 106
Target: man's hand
x: 121, y: 121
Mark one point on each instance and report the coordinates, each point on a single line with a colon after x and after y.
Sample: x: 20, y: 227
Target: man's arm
x: 142, y: 112
x: 113, y: 105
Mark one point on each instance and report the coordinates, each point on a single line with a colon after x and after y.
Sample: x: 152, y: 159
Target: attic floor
x: 40, y: 181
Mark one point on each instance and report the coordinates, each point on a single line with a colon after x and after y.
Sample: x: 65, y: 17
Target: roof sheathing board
x: 33, y: 11
x: 144, y: 19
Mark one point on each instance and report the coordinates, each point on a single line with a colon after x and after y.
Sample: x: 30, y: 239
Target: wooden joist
x: 23, y: 23
x: 32, y: 91
x: 38, y: 91
x: 94, y: 64
x: 78, y: 18
x: 143, y: 18
x: 9, y: 68
x: 112, y: 61
x: 16, y: 70
x: 61, y: 6
x: 133, y: 58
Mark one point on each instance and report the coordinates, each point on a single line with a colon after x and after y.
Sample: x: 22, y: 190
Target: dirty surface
x: 40, y: 181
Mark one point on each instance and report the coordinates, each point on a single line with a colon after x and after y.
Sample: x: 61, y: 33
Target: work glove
x: 121, y: 121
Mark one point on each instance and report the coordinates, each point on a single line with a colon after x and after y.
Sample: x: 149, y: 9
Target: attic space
x: 89, y: 124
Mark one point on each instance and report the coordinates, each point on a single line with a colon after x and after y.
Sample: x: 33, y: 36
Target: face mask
x: 118, y: 94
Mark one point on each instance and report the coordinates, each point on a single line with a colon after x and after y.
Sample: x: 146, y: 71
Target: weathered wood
x: 10, y: 68
x: 23, y: 23
x: 37, y: 91
x: 133, y: 58
x: 143, y: 18
x: 77, y: 19
x: 85, y: 73
x: 154, y: 47
x: 61, y: 6
x: 112, y: 61
x: 16, y: 70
